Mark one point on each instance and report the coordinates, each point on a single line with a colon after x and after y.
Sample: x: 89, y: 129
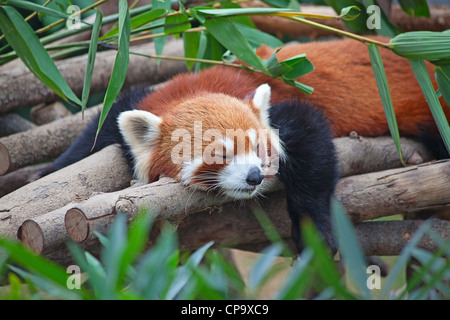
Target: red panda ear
x: 140, y: 129
x: 261, y: 100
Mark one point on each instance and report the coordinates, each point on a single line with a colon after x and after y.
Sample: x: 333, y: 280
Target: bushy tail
x: 310, y: 170
x: 83, y: 146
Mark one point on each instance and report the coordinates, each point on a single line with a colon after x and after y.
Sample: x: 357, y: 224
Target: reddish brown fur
x: 343, y: 82
x: 344, y: 88
x: 183, y: 114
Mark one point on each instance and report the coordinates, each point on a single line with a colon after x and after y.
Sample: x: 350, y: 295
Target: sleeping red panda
x: 187, y: 129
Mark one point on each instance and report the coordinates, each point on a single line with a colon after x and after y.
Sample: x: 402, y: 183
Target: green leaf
x: 296, y: 67
x: 160, y: 41
x: 27, y: 5
x: 50, y: 288
x: 431, y: 272
x: 350, y: 13
x: 191, y: 41
x: 226, y: 32
x: 138, y: 232
x: 91, y: 58
x: 120, y: 64
x: 350, y: 250
x: 185, y: 272
x: 30, y: 50
x: 45, y: 272
x: 442, y: 75
x: 322, y: 260
x: 299, y: 278
x: 176, y: 24
x: 383, y: 89
x: 421, y: 73
x: 240, y: 11
x: 156, y: 269
x: 415, y: 8
x: 422, y: 45
x: 303, y: 87
x: 112, y: 258
x: 256, y: 37
x: 291, y: 4
x: 403, y: 259
x: 263, y: 266
x: 138, y: 21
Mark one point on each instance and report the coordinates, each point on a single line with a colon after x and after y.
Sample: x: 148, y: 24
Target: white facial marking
x: 188, y: 170
x: 232, y: 179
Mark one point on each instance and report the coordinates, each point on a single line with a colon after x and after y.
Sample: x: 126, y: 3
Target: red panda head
x: 211, y: 141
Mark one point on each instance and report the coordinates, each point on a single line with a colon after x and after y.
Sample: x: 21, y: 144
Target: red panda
x: 282, y: 131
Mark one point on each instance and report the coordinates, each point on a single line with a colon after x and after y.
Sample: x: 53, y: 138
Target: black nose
x: 254, y: 176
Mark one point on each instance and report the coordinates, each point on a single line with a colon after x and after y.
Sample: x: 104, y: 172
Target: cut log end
x: 77, y: 225
x: 31, y: 235
x: 5, y: 159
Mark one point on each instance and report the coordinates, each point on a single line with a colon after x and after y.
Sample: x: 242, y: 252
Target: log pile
x: 85, y: 197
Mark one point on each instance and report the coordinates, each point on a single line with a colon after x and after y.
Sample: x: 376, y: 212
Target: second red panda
x: 155, y: 128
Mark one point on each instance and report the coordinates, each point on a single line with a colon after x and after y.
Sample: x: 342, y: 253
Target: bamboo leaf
x: 350, y: 13
x: 403, y: 258
x: 191, y: 41
x: 239, y: 11
x: 350, y: 249
x: 30, y: 50
x: 138, y: 21
x: 421, y: 73
x: 422, y: 45
x: 291, y: 4
x: 184, y: 273
x: 160, y: 41
x: 20, y: 255
x: 91, y: 59
x: 298, y: 279
x: 383, y: 89
x: 415, y: 8
x: 256, y: 37
x: 120, y: 64
x: 263, y: 266
x: 322, y: 260
x: 303, y: 87
x: 176, y: 24
x: 27, y: 5
x: 443, y: 80
x: 226, y: 32
x: 297, y: 66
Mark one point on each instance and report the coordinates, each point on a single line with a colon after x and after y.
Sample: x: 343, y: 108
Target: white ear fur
x: 140, y: 129
x: 261, y: 99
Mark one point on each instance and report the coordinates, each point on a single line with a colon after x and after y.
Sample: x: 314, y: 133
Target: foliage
x: 127, y: 270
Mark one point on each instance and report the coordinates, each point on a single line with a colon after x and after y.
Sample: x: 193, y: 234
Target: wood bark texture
x: 42, y: 143
x: 75, y: 182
